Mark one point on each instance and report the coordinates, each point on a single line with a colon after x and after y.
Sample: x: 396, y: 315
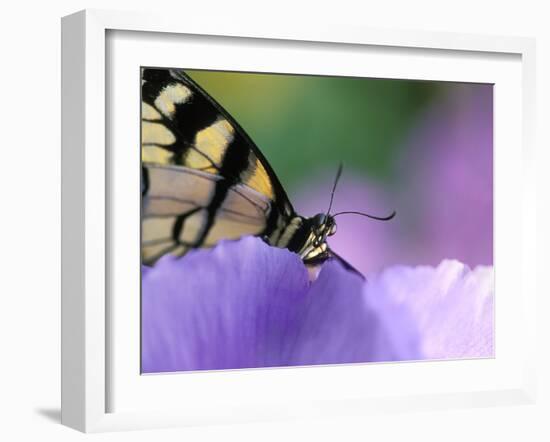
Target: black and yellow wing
x: 203, y: 179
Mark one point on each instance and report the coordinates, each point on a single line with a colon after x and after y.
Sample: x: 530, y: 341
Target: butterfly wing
x: 174, y: 215
x: 203, y: 179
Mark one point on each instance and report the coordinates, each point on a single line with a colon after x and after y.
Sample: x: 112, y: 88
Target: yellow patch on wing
x: 180, y: 185
x: 156, y: 229
x: 155, y: 154
x: 166, y: 206
x: 210, y: 146
x: 149, y: 253
x: 148, y: 112
x: 225, y: 228
x: 156, y: 133
x: 243, y: 212
x: 196, y: 160
x: 256, y: 177
x: 244, y: 203
x: 170, y: 96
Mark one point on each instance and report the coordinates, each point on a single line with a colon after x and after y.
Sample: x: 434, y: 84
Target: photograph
x: 302, y: 220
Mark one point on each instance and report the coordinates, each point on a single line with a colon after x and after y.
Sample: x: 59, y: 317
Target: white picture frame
x: 87, y: 319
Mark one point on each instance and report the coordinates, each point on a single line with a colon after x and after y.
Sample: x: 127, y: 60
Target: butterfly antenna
x: 338, y: 174
x: 378, y: 218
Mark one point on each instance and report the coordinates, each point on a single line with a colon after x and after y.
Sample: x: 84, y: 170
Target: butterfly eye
x: 332, y: 230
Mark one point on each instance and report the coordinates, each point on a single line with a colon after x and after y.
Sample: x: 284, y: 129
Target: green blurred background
x: 307, y: 124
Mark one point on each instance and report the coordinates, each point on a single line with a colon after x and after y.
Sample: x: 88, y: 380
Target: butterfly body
x: 307, y: 237
x: 203, y: 178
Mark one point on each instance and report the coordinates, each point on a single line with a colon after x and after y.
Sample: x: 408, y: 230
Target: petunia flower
x: 451, y: 304
x: 244, y: 304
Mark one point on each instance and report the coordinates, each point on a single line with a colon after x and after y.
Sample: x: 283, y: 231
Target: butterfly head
x: 323, y: 226
x: 310, y: 240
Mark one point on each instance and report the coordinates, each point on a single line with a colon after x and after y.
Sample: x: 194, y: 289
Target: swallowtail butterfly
x: 204, y: 179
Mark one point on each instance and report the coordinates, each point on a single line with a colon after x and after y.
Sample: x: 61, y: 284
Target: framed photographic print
x: 264, y: 223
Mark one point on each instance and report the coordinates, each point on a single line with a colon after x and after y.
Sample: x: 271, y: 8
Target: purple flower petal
x: 246, y: 304
x: 344, y: 324
x: 228, y: 307
x: 451, y: 305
